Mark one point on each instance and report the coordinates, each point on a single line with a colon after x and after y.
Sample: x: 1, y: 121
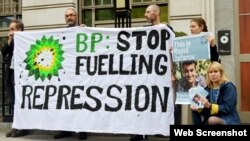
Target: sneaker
x: 63, y: 134
x: 82, y: 136
x: 19, y: 133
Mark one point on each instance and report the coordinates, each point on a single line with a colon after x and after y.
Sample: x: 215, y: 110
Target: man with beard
x: 152, y: 15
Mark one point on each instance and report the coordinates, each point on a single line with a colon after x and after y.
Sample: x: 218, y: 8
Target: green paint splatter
x: 44, y: 59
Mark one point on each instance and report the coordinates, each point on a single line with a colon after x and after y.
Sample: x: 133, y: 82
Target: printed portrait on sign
x: 191, y: 56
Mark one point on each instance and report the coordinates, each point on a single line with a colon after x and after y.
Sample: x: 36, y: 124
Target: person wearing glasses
x: 71, y: 21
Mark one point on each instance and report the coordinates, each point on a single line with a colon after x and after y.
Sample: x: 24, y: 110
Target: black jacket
x: 7, y: 52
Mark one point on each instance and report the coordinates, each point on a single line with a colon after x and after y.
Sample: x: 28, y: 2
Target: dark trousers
x: 200, y: 118
x: 10, y: 85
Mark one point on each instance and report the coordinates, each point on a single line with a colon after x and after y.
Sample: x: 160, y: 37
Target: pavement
x: 47, y: 137
x: 91, y: 137
x: 44, y: 137
x: 40, y: 135
x: 37, y: 135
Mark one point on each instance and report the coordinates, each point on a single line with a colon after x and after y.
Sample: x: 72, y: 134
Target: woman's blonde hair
x: 216, y: 66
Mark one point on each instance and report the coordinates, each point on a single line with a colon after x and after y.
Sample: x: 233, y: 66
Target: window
x: 164, y: 13
x: 87, y: 3
x: 103, y: 2
x: 139, y: 11
x: 135, y: 1
x: 9, y: 9
x: 3, y: 40
x: 104, y: 14
x: 5, y: 21
x: 101, y: 12
x: 10, y: 6
x: 87, y: 20
x: 96, y: 11
x: 141, y: 1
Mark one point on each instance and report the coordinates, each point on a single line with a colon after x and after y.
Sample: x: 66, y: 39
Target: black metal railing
x: 5, y: 104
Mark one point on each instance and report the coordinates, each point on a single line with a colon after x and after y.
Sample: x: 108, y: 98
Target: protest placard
x: 191, y: 55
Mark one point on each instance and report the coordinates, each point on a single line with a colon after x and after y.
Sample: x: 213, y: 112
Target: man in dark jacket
x: 7, y: 51
x: 152, y: 15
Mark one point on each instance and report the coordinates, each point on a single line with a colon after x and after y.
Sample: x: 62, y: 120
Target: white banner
x: 103, y: 80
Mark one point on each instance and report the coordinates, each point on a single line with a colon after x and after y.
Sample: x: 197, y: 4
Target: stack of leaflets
x: 195, y: 95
